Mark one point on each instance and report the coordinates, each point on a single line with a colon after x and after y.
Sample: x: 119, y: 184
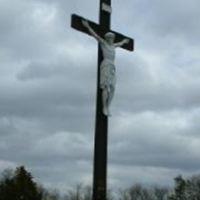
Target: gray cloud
x: 48, y: 87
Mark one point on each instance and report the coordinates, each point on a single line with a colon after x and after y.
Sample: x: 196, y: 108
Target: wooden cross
x: 101, y: 126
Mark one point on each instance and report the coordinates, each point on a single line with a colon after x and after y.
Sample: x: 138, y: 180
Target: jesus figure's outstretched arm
x: 92, y: 32
x: 119, y: 44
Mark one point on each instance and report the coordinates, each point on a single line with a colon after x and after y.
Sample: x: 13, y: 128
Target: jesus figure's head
x: 110, y: 37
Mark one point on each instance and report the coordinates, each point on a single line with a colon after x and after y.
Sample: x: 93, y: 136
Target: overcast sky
x: 48, y: 87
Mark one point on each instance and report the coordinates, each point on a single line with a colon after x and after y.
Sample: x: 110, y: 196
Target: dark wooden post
x: 101, y: 124
x: 101, y: 127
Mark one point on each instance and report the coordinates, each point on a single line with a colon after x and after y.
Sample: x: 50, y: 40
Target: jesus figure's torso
x: 108, y: 52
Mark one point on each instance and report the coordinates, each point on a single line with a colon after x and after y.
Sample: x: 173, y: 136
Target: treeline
x: 19, y: 184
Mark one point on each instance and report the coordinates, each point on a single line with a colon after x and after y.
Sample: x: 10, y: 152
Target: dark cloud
x: 48, y: 87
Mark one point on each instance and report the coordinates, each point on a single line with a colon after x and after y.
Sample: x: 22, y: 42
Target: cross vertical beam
x: 101, y: 123
x: 101, y: 127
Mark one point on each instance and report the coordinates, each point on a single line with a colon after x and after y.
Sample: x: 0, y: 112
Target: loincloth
x: 107, y: 74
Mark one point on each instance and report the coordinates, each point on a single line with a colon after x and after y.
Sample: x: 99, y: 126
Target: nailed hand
x: 85, y: 23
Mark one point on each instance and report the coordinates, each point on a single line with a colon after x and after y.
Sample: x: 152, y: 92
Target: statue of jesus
x: 107, y: 67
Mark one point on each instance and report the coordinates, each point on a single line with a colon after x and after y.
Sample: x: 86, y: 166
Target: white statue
x: 107, y: 67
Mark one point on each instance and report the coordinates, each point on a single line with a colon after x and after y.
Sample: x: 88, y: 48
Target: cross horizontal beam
x: 76, y: 23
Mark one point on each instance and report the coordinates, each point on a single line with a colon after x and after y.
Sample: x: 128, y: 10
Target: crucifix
x: 108, y: 40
